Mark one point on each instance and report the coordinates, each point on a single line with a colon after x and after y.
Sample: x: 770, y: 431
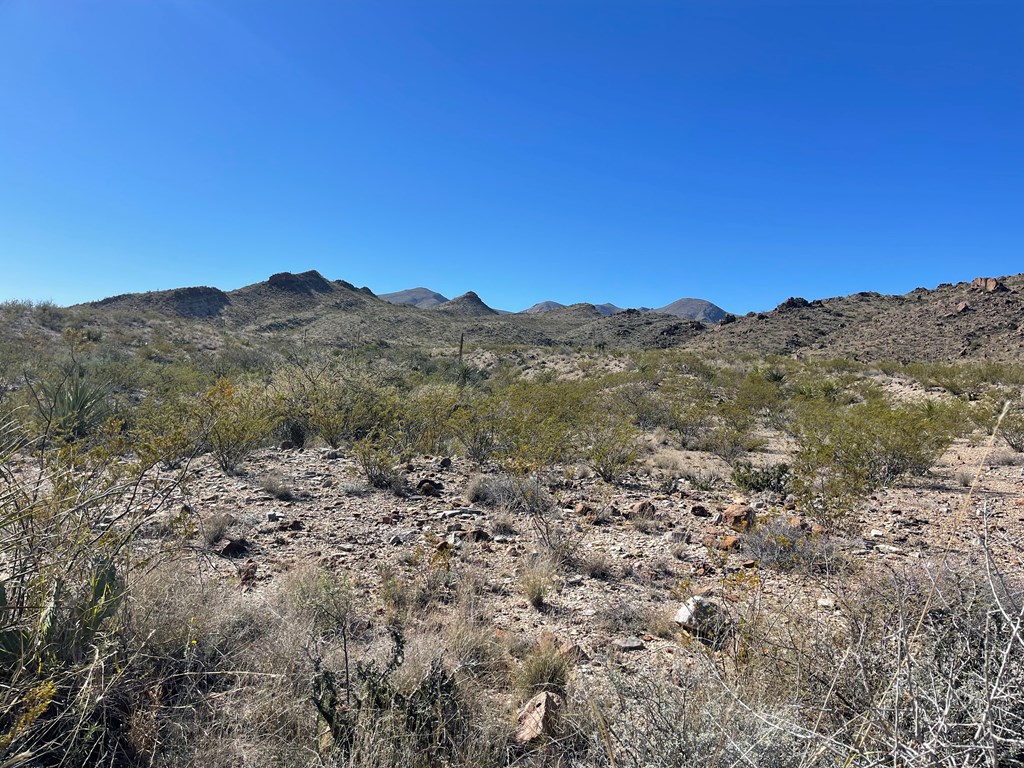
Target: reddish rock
x: 962, y: 307
x: 739, y: 517
x: 724, y: 543
x: 538, y: 717
x: 642, y: 510
x: 988, y: 284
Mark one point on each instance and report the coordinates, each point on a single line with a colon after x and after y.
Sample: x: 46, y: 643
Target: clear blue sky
x: 576, y: 150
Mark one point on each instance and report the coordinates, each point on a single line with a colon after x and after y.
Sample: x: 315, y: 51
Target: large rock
x: 538, y: 717
x: 739, y: 517
x: 988, y: 284
x: 704, y: 618
x: 642, y: 510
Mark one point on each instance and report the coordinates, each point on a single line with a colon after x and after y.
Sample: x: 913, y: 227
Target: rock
x: 962, y: 307
x: 429, y: 487
x: 642, y: 510
x: 703, y: 618
x: 988, y: 284
x: 628, y: 644
x: 739, y: 517
x: 574, y: 653
x: 699, y: 510
x: 794, y: 302
x: 888, y: 549
x: 445, y: 463
x: 538, y: 717
x: 286, y: 445
x: 583, y: 509
x: 826, y: 603
x: 478, y: 534
x: 332, y: 455
x: 273, y: 517
x: 723, y: 543
x: 226, y: 547
x: 396, y: 540
x: 247, y: 573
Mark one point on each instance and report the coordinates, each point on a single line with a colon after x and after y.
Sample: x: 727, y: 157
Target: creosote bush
x: 238, y: 422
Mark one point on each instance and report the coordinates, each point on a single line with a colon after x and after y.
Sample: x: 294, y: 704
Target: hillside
x: 693, y: 309
x: 424, y: 298
x: 980, y: 319
x: 977, y: 320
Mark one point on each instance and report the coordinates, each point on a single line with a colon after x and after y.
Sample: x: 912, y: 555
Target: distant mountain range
x: 981, y: 319
x: 424, y: 298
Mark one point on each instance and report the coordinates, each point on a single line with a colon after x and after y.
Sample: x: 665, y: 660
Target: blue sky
x: 576, y: 150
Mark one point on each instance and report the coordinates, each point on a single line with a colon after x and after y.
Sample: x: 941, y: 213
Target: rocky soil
x: 638, y: 552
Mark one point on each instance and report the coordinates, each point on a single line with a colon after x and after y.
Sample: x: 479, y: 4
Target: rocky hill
x: 982, y: 319
x: 693, y: 309
x: 424, y: 298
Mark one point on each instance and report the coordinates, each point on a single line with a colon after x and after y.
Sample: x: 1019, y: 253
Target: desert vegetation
x: 263, y: 553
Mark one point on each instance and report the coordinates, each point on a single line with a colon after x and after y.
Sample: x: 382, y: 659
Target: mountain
x: 543, y: 306
x: 423, y: 298
x: 550, y: 306
x: 466, y: 305
x: 693, y: 309
x: 979, y: 320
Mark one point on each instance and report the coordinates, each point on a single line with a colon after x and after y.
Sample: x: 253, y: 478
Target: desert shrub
x: 345, y: 409
x: 475, y: 428
x: 687, y: 718
x: 543, y: 668
x: 400, y: 718
x: 169, y: 430
x: 923, y: 669
x: 621, y: 617
x: 277, y: 486
x: 773, y: 479
x: 844, y: 453
x: 1012, y: 429
x: 239, y: 422
x: 702, y: 480
x: 597, y: 565
x: 784, y: 547
x: 425, y: 419
x: 611, y: 446
x: 536, y: 577
x: 67, y: 573
x: 378, y: 459
x: 490, y: 490
x: 644, y: 405
x: 538, y: 424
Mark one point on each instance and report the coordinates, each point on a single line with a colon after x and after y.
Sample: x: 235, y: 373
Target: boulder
x: 703, y: 618
x: 739, y: 517
x: 988, y: 284
x: 642, y: 510
x: 429, y: 487
x: 231, y: 547
x: 538, y: 717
